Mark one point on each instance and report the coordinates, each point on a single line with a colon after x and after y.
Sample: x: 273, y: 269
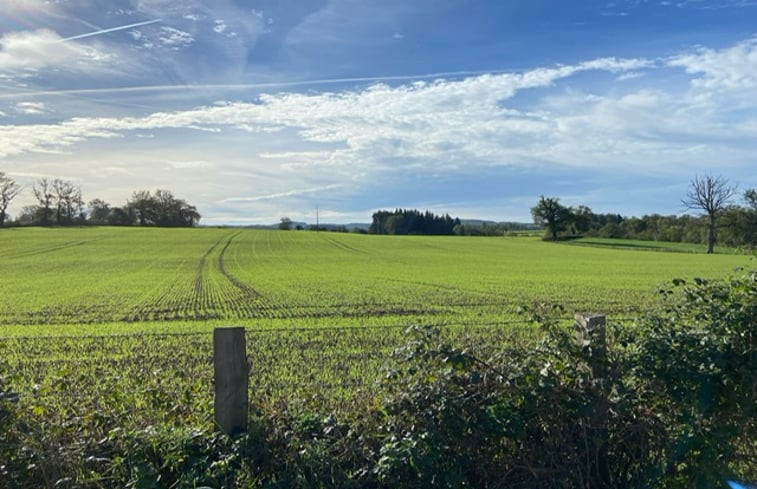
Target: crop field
x: 129, y: 279
x: 111, y: 326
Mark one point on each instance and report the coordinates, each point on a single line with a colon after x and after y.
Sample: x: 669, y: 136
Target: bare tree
x: 9, y: 189
x: 143, y: 204
x: 45, y: 193
x: 750, y: 197
x: 67, y: 195
x: 711, y: 196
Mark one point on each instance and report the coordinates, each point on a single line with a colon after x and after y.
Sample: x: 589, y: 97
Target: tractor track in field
x: 198, y: 284
x: 51, y: 249
x: 246, y: 290
x: 345, y: 247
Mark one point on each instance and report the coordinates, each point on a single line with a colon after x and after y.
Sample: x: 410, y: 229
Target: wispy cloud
x: 290, y: 193
x: 31, y: 108
x: 409, y: 129
x: 175, y: 38
x: 378, y: 118
x: 710, y: 5
x: 31, y: 51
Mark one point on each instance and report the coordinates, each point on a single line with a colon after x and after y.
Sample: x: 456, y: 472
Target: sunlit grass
x: 104, y: 280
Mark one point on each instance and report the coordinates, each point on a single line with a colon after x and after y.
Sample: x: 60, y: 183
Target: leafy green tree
x: 121, y: 216
x: 285, y: 224
x: 188, y: 215
x: 98, y: 211
x: 411, y: 221
x: 581, y: 217
x: 161, y: 209
x: 551, y: 213
x: 9, y: 189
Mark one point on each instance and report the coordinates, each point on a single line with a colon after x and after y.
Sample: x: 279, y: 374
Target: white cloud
x: 730, y: 68
x: 442, y: 125
x: 175, y: 38
x: 340, y: 140
x: 31, y: 51
x: 220, y: 26
x: 31, y: 108
x: 451, y: 122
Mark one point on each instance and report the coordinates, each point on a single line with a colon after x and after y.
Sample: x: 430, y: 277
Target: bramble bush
x: 668, y: 404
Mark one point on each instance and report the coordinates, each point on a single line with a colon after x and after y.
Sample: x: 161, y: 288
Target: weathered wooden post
x: 592, y: 337
x: 231, y: 379
x: 591, y: 334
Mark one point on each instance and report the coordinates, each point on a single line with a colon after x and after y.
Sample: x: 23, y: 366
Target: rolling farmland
x: 323, y: 310
x: 102, y: 280
x: 108, y: 329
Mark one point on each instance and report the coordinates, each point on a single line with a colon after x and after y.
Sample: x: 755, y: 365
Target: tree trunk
x: 711, y: 236
x: 2, y: 218
x: 552, y: 229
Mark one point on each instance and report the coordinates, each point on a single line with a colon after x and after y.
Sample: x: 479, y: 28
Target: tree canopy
x: 736, y: 224
x: 411, y: 221
x: 60, y: 202
x: 554, y: 215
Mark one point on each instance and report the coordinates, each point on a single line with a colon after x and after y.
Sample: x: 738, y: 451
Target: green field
x: 322, y: 310
x: 118, y: 320
x: 108, y: 329
x: 103, y: 280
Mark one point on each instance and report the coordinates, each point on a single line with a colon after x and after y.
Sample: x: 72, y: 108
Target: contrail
x: 112, y: 29
x: 260, y: 85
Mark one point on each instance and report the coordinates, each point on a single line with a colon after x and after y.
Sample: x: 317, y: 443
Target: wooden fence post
x: 591, y: 336
x: 590, y: 333
x: 231, y: 379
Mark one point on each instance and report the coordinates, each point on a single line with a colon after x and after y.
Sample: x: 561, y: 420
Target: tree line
x: 411, y: 221
x: 719, y: 218
x: 60, y: 203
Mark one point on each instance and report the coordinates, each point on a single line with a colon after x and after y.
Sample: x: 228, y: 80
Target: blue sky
x: 254, y: 110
